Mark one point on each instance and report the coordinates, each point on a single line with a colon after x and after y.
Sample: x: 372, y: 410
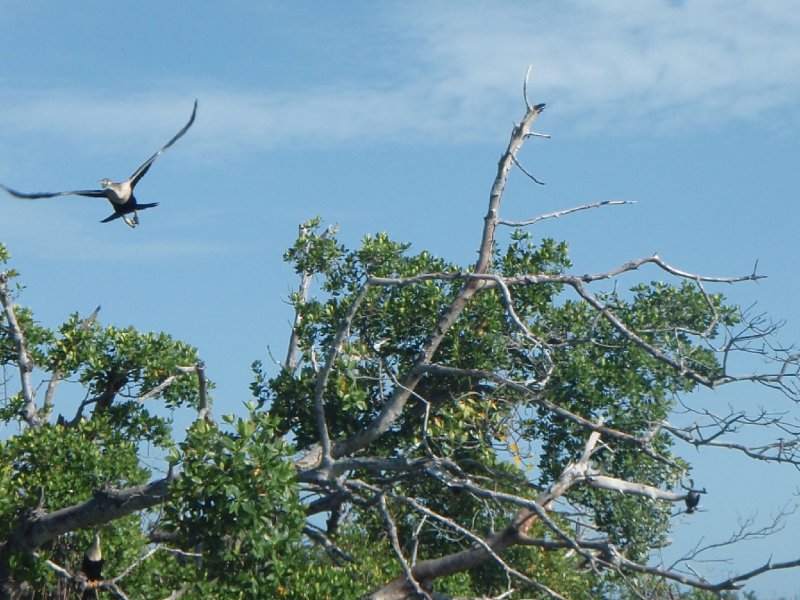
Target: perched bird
x: 92, y: 565
x: 119, y: 194
x: 692, y: 500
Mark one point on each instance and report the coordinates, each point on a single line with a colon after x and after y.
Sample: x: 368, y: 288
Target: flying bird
x: 119, y: 194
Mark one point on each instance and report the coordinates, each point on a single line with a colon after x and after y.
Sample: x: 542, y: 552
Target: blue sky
x: 391, y: 117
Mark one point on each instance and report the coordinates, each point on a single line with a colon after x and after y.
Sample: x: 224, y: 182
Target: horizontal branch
x: 605, y: 482
x: 179, y: 371
x: 562, y: 213
x: 632, y: 265
x: 39, y: 527
x: 642, y: 442
x: 785, y: 451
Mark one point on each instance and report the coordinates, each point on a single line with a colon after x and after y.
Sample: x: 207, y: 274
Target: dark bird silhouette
x: 92, y: 566
x: 692, y: 500
x: 119, y: 194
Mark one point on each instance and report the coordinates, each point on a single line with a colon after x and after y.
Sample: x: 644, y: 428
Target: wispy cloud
x: 612, y: 64
x: 607, y: 65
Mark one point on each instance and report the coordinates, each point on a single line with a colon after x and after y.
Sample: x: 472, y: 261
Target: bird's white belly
x: 120, y: 193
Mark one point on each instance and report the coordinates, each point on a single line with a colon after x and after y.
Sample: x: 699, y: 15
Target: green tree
x: 436, y: 430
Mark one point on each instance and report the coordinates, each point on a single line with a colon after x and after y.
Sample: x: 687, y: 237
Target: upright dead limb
x: 394, y: 405
x: 292, y: 356
x: 29, y: 411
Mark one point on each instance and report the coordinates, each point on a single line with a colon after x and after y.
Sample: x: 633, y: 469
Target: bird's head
x: 105, y: 182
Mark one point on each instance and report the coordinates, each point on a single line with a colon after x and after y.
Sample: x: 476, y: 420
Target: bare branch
x: 179, y: 372
x: 779, y: 451
x: 605, y: 482
x: 529, y: 175
x: 397, y: 550
x: 108, y: 504
x: 561, y: 213
x: 632, y: 265
x: 736, y: 582
x: 203, y: 407
x: 29, y: 411
x: 56, y: 568
x: 393, y: 407
x: 292, y: 359
x: 528, y: 106
x: 518, y: 135
x: 135, y: 564
x: 323, y: 376
x: 336, y: 553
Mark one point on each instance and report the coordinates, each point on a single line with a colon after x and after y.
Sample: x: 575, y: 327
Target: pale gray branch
x: 394, y: 405
x: 292, y: 360
x: 29, y: 411
x: 324, y: 374
x: 179, y: 372
x: 561, y: 213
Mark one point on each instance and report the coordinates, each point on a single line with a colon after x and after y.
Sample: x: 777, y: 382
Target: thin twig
x: 567, y: 211
x: 530, y: 175
x: 387, y: 518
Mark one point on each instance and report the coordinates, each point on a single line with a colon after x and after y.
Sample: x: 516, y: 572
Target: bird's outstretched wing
x: 140, y: 172
x: 37, y: 196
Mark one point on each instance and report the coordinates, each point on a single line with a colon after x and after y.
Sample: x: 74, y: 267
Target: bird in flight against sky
x: 119, y: 194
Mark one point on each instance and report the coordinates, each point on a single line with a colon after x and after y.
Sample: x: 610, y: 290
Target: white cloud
x: 601, y: 65
x: 612, y: 64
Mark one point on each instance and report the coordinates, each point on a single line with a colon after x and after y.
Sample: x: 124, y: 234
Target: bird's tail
x: 111, y: 218
x: 90, y: 594
x: 143, y: 206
